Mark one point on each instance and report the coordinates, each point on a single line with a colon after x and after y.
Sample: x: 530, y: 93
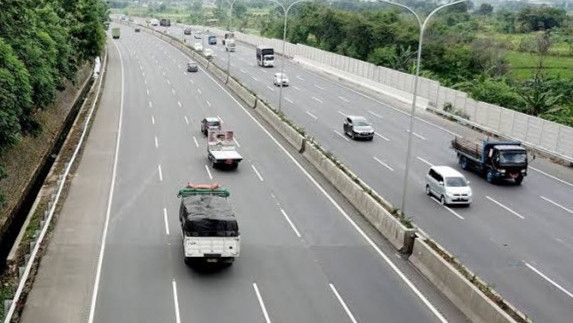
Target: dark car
x: 210, y: 123
x: 358, y: 127
x: 137, y: 29
x: 192, y: 67
x: 187, y: 31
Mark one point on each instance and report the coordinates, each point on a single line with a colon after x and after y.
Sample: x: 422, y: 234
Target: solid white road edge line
x: 261, y: 303
x: 195, y: 140
x: 336, y: 205
x: 110, y: 195
x: 568, y: 293
x: 556, y: 204
x: 505, y: 207
x: 551, y: 176
x: 344, y: 306
x: 208, y: 172
x: 291, y: 224
x: 166, y: 221
x: 176, y: 301
x: 257, y: 172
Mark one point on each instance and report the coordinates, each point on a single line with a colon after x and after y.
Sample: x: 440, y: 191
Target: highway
x: 515, y: 237
x: 306, y: 257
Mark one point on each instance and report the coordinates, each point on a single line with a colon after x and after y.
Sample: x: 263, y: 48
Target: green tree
x: 540, y: 18
x: 484, y: 9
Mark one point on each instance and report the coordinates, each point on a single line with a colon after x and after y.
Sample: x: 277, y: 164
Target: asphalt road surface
x: 306, y: 257
x: 518, y: 238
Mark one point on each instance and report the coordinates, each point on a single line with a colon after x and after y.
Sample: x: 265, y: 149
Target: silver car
x: 448, y: 185
x: 358, y: 127
x: 280, y: 79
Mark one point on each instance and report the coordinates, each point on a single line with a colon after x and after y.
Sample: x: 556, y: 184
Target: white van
x: 448, y: 185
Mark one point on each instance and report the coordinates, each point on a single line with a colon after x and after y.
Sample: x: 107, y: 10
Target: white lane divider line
x: 152, y: 120
x: 375, y: 114
x: 168, y: 82
x: 176, y: 302
x: 173, y: 91
x: 257, y: 172
x: 288, y: 100
x: 166, y: 221
x: 344, y: 306
x: 424, y: 161
x: 143, y: 74
x: 341, y: 135
x: 312, y: 115
x: 296, y: 87
x: 270, y: 88
x: 160, y: 173
x: 195, y: 141
x: 557, y: 204
x: 300, y: 78
x: 449, y: 209
x: 199, y: 90
x: 551, y: 281
x: 186, y: 120
x: 190, y: 80
x: 416, y: 135
x: 236, y: 142
x: 254, y: 78
x: 208, y: 172
x: 261, y: 303
x: 366, y: 238
x: 383, y: 164
x: 344, y: 99
x: 291, y: 224
x: 150, y: 104
x: 379, y: 135
x: 147, y: 91
x: 144, y: 81
x: 243, y: 71
x: 208, y: 103
x: 319, y: 87
x: 317, y: 99
x: 551, y: 176
x: 179, y: 104
x: 342, y: 113
x: 264, y: 71
x: 220, y: 119
x: 505, y: 207
x: 156, y: 142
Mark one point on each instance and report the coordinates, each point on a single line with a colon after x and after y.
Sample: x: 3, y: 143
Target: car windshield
x: 213, y: 123
x: 361, y: 123
x: 513, y: 157
x: 456, y: 182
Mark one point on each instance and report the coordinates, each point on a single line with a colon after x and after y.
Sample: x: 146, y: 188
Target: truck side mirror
x: 441, y: 183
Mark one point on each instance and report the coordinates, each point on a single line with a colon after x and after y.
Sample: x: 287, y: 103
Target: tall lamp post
x: 285, y: 12
x: 231, y: 4
x: 422, y: 25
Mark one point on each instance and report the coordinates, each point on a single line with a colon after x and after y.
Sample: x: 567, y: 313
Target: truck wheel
x: 490, y: 178
x: 464, y: 162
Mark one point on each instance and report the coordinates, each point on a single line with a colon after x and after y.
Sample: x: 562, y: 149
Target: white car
x: 208, y: 52
x: 198, y: 46
x: 448, y: 185
x: 280, y: 79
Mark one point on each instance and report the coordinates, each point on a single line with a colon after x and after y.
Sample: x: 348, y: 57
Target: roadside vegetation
x: 517, y: 56
x: 42, y: 45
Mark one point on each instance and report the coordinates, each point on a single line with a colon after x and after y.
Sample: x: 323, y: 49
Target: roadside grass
x: 523, y: 65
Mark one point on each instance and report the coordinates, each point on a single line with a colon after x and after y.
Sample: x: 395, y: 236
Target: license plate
x: 212, y: 260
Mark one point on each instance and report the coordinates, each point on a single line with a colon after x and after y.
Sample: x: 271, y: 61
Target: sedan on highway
x: 137, y: 29
x: 198, y: 47
x: 357, y: 127
x: 210, y: 123
x: 280, y: 79
x: 187, y: 31
x: 192, y: 67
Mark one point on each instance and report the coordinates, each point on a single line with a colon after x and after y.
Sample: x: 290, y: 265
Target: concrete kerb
x: 460, y: 290
x: 289, y: 133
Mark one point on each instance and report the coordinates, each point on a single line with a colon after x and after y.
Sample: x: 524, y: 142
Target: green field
x: 523, y: 65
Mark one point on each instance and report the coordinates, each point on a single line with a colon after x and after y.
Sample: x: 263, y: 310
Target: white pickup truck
x: 221, y: 151
x: 208, y: 223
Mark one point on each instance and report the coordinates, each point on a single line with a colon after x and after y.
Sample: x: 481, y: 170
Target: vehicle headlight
x: 523, y: 170
x: 502, y: 171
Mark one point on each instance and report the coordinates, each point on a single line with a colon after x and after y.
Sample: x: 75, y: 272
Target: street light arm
x: 407, y: 8
x: 438, y: 9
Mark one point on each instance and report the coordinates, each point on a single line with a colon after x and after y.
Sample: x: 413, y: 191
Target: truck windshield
x: 513, y: 157
x: 269, y: 58
x: 456, y: 182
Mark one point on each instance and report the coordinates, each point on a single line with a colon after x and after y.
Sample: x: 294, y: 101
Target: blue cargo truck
x: 496, y: 160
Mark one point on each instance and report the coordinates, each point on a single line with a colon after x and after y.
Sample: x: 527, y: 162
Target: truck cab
x: 265, y: 56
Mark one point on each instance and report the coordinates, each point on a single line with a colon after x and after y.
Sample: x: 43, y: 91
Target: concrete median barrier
x: 399, y: 235
x: 460, y: 290
x: 242, y: 92
x: 288, y: 132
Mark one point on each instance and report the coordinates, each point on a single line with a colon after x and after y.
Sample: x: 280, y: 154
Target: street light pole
x: 422, y: 25
x: 231, y: 4
x: 285, y: 12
